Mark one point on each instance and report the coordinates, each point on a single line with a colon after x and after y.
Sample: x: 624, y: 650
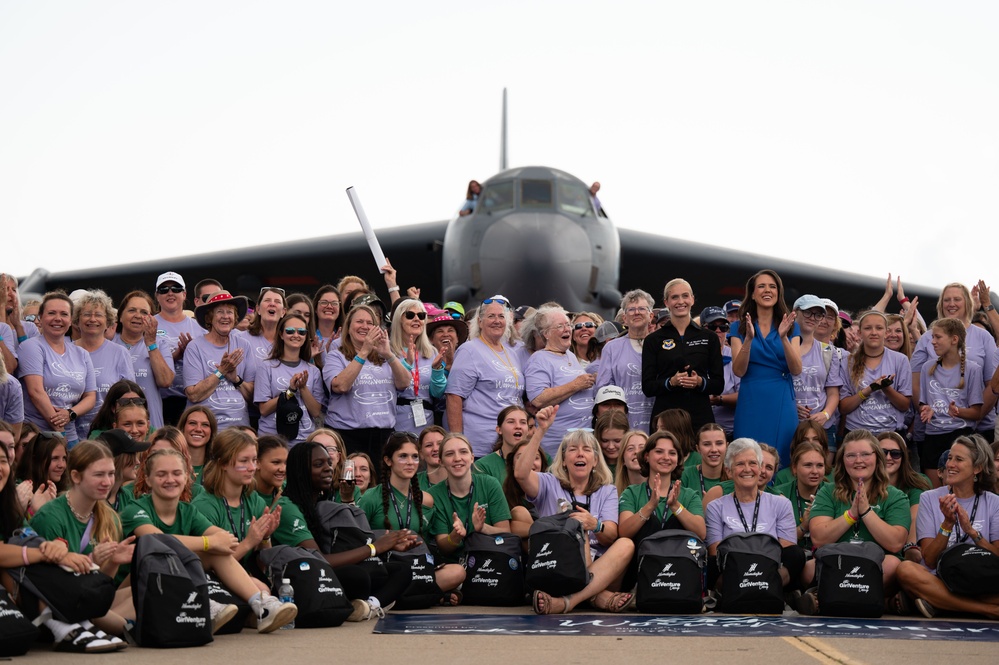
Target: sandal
x: 925, y: 608
x: 81, y: 640
x: 451, y: 598
x: 616, y: 602
x: 542, y: 603
x: 119, y: 644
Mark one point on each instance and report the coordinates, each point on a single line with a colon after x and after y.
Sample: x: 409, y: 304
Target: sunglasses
x: 893, y: 453
x: 587, y: 324
x: 580, y: 429
x: 130, y: 401
x: 163, y: 290
x: 718, y: 325
x: 490, y: 301
x: 264, y: 290
x: 30, y: 318
x: 415, y: 315
x: 292, y: 331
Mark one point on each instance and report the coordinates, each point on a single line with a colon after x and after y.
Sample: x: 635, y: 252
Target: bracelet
x: 903, y: 301
x: 218, y: 375
x: 24, y: 554
x: 63, y: 541
x: 944, y: 532
x: 863, y: 397
x: 978, y: 537
x: 849, y: 518
x: 153, y: 346
x: 238, y: 382
x: 643, y: 517
x: 861, y: 515
x: 207, y: 545
x: 374, y: 550
x: 22, y: 338
x: 360, y: 360
x: 599, y: 526
x: 679, y: 510
x: 909, y: 546
x: 393, y: 289
x: 452, y: 541
x: 826, y: 415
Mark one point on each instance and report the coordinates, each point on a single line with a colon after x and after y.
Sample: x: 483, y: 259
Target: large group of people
x: 232, y: 425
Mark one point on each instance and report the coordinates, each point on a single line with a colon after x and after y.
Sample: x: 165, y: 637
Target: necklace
x: 82, y: 518
x: 505, y: 361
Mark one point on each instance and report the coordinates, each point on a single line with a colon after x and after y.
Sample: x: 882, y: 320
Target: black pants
x: 386, y: 582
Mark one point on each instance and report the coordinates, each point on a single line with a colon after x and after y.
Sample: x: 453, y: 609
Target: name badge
x: 419, y: 415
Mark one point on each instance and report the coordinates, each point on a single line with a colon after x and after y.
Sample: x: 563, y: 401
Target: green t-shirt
x: 124, y: 498
x: 914, y: 492
x: 693, y: 459
x: 56, y: 520
x: 893, y: 509
x: 292, y: 530
x: 797, y: 503
x: 636, y: 496
x: 424, y: 481
x: 692, y: 478
x: 234, y: 520
x: 187, y: 522
x: 485, y: 490
x: 371, y: 503
x: 493, y: 465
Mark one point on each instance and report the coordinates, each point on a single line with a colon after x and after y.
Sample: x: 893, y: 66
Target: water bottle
x: 563, y: 505
x: 286, y: 594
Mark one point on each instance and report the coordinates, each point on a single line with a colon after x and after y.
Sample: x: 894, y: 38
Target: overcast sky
x: 858, y: 135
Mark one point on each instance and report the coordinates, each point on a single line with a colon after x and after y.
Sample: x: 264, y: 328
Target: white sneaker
x: 221, y: 614
x: 272, y: 614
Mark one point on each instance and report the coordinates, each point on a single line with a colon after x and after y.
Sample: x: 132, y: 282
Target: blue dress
x: 766, y: 410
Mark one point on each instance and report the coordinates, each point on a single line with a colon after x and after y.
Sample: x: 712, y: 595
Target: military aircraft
x: 536, y: 234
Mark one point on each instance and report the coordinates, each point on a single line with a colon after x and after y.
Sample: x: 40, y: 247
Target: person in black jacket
x: 682, y: 362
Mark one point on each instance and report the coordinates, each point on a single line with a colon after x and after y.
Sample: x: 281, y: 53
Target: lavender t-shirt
x: 488, y: 382
x: 603, y: 504
x: 810, y: 386
x: 545, y: 370
x: 370, y: 402
x: 168, y: 337
x: 776, y: 517
x: 65, y: 378
x: 404, y: 420
x: 621, y: 365
x: 30, y: 331
x: 111, y: 364
x: 274, y: 377
x: 201, y: 358
x: 941, y: 389
x: 143, y: 367
x: 876, y: 413
x: 9, y: 339
x: 725, y: 415
x: 11, y: 400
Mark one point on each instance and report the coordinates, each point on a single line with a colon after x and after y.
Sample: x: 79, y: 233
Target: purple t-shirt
x: 11, y: 400
x: 370, y: 402
x: 274, y: 377
x: 143, y: 367
x: 776, y: 517
x: 810, y: 386
x: 725, y: 415
x: 65, y: 378
x: 30, y: 331
x: 876, y: 413
x: 261, y: 350
x: 602, y: 504
x: 929, y: 517
x: 621, y: 365
x: 8, y: 338
x: 488, y: 382
x: 167, y: 337
x: 111, y: 364
x: 201, y: 358
x: 545, y: 370
x: 941, y: 389
x: 404, y: 419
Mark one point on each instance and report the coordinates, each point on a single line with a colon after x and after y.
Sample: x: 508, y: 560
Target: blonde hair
x: 397, y: 336
x: 969, y: 307
x: 621, y: 471
x: 601, y: 474
x: 107, y: 526
x: 227, y: 445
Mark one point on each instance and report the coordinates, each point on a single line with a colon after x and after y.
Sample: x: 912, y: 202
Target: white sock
x: 59, y: 629
x: 373, y: 602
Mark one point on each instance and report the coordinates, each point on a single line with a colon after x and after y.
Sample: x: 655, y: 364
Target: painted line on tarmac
x: 821, y: 651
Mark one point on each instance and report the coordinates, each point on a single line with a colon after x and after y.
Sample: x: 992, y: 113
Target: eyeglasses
x: 130, y: 401
x: 636, y: 310
x: 329, y: 303
x: 264, y: 290
x: 490, y: 301
x: 718, y: 325
x: 893, y: 453
x: 163, y: 290
x: 853, y: 457
x: 415, y: 315
x: 292, y: 331
x: 586, y: 324
x: 813, y: 315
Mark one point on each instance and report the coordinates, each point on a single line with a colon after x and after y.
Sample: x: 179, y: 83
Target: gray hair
x: 740, y: 446
x: 634, y: 295
x: 475, y: 325
x: 544, y: 315
x: 94, y: 298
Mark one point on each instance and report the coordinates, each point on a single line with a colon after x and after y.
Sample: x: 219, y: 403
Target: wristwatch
x: 72, y: 415
x: 989, y: 308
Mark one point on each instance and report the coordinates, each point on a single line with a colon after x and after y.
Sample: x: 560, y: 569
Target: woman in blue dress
x: 766, y: 355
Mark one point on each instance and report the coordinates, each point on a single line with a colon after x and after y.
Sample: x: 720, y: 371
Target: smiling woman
x: 152, y: 364
x: 286, y: 385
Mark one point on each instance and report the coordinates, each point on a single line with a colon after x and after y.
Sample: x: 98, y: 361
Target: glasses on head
x: 329, y: 303
x: 163, y: 290
x: 292, y: 331
x: 415, y: 315
x: 893, y: 453
x: 455, y: 315
x: 637, y: 310
x: 584, y: 324
x: 490, y: 301
x: 130, y: 401
x: 718, y: 325
x: 267, y: 289
x: 853, y: 457
x: 30, y: 318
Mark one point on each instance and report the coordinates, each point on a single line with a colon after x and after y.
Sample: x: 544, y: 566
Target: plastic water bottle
x: 286, y: 594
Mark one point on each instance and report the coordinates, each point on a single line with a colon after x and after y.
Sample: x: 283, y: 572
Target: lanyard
x: 961, y: 537
x: 416, y: 377
x: 506, y: 363
x: 409, y: 508
x: 242, y: 517
x: 799, y: 501
x: 666, y: 511
x: 756, y: 512
x: 579, y: 504
x: 468, y: 502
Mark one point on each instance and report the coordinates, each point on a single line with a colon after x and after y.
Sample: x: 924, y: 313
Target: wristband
x: 24, y: 554
x: 978, y: 537
x: 909, y: 546
x: 64, y: 542
x: 205, y: 538
x: 826, y: 415
x: 22, y: 338
x: 153, y: 346
x: 599, y: 527
x: 374, y: 550
x: 643, y: 517
x: 393, y: 289
x: 360, y: 360
x: 944, y: 532
x: 679, y: 509
x: 903, y: 301
x: 218, y: 375
x: 849, y: 518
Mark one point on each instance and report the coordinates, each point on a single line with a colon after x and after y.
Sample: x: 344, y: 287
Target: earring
x: 976, y: 477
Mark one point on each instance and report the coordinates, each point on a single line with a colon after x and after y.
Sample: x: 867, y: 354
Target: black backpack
x: 16, y: 632
x: 343, y: 527
x: 556, y: 555
x: 170, y: 594
x: 319, y: 595
x: 671, y: 573
x: 750, y: 567
x: 72, y: 597
x: 422, y: 591
x: 850, y: 580
x: 220, y: 594
x: 494, y: 571
x: 969, y: 570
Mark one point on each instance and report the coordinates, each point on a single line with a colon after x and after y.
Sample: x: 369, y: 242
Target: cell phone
x: 348, y: 470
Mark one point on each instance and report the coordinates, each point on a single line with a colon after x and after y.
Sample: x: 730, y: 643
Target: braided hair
x: 952, y: 328
x: 394, y: 443
x: 299, y: 489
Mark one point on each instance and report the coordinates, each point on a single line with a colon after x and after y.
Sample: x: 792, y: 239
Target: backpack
x: 422, y: 591
x: 671, y: 567
x: 850, y: 580
x: 556, y: 555
x: 343, y: 527
x: 494, y: 574
x: 319, y: 595
x: 170, y: 594
x: 72, y: 597
x: 16, y: 632
x: 220, y: 594
x: 969, y: 570
x: 750, y: 566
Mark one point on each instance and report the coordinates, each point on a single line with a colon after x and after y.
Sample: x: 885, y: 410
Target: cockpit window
x: 497, y: 196
x: 574, y: 198
x: 536, y: 193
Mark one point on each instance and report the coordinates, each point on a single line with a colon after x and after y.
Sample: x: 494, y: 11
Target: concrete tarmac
x: 355, y: 642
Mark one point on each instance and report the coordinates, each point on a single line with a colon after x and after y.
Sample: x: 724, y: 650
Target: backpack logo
x: 193, y: 597
x: 751, y: 568
x: 544, y: 550
x: 855, y: 569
